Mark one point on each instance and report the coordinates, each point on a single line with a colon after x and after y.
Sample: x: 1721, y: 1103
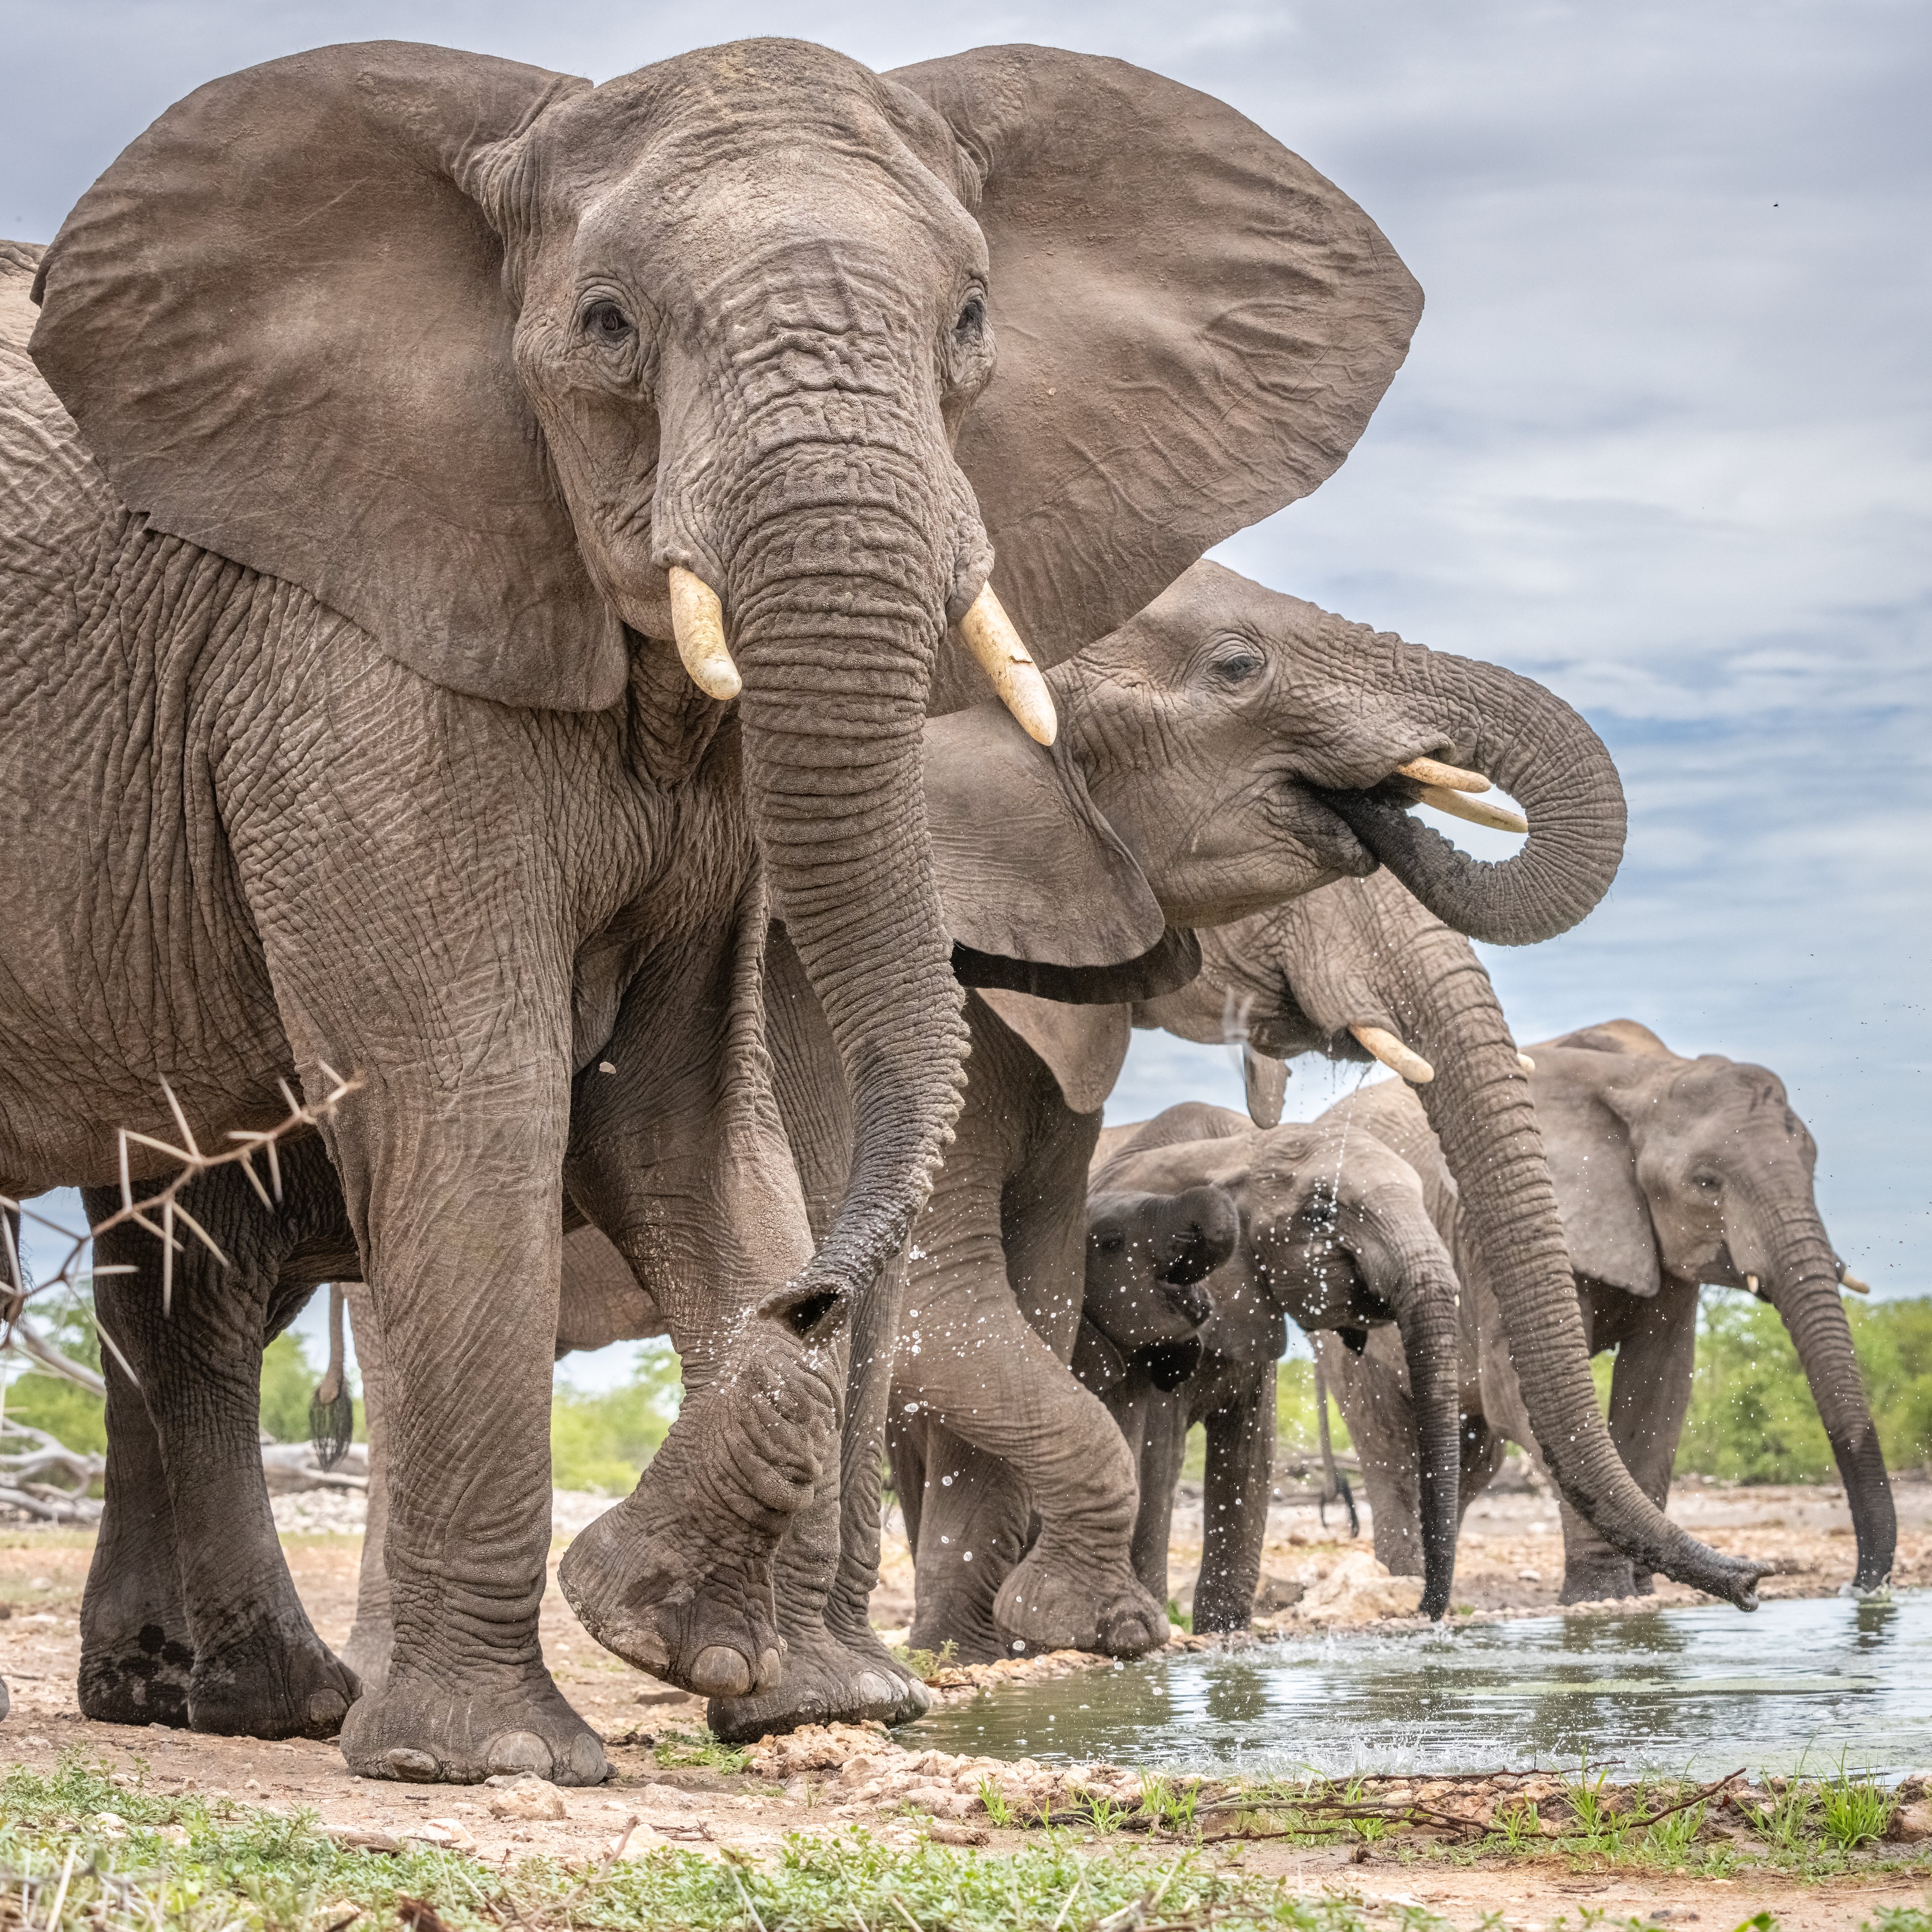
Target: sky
x: 1664, y: 441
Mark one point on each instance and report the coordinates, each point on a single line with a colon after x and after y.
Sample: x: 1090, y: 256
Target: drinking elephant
x: 1334, y: 1236
x: 386, y: 406
x: 989, y: 1433
x: 1361, y: 970
x: 1669, y: 1172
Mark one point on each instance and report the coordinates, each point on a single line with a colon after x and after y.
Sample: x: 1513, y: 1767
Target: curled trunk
x: 1802, y: 1283
x: 1538, y: 750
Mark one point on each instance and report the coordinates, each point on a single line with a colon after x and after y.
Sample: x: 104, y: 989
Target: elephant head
x: 1359, y: 970
x: 1334, y: 1235
x: 1147, y: 1255
x: 1699, y: 1168
x: 1212, y: 755
x: 754, y: 350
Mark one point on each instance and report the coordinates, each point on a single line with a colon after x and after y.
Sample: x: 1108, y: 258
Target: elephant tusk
x: 1459, y: 804
x: 1528, y: 1065
x: 1451, y: 778
x: 698, y: 621
x: 1847, y: 1279
x: 991, y: 637
x: 1393, y: 1054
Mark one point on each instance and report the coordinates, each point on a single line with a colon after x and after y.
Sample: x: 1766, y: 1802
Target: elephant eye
x: 1237, y: 664
x: 605, y: 321
x: 972, y: 319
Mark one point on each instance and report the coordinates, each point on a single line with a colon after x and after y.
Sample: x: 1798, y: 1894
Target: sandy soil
x: 1511, y: 1558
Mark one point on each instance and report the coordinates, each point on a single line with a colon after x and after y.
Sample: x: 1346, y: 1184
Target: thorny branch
x: 159, y: 1214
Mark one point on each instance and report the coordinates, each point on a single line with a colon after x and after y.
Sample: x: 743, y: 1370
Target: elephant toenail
x: 771, y: 1666
x: 518, y: 1750
x: 876, y: 1689
x: 720, y: 1672
x: 327, y: 1707
x: 414, y: 1767
x: 587, y: 1761
x: 919, y: 1696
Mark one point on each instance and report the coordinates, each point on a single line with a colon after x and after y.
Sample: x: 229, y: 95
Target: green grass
x: 218, y: 1867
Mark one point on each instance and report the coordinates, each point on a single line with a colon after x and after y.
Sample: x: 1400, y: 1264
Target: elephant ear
x: 279, y: 320
x: 1039, y: 894
x: 1084, y: 1046
x: 1192, y: 327
x: 1097, y: 1364
x: 1606, y: 1225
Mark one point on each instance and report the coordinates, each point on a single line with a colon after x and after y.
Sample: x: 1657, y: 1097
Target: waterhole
x: 1705, y: 1690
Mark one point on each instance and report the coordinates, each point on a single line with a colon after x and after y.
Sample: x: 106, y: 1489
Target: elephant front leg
x: 1234, y: 1507
x: 679, y: 1155
x: 1650, y: 1397
x: 460, y: 1219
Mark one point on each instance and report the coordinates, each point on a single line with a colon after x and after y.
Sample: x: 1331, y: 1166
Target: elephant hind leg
x: 258, y: 1669
x: 136, y: 1652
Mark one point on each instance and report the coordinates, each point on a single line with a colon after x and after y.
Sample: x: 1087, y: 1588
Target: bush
x: 602, y: 1442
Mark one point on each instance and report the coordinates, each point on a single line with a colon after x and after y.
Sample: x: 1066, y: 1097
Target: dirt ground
x: 1511, y: 1558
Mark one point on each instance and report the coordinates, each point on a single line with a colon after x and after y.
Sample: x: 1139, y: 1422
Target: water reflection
x: 1703, y: 1689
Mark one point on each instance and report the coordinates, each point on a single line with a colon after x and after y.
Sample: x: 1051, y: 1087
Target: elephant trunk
x: 836, y: 633
x: 1542, y: 753
x: 1802, y: 1283
x: 1422, y: 1290
x: 1479, y: 1104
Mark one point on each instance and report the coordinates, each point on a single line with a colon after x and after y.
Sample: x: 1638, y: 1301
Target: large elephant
x: 1362, y: 961
x: 1668, y: 1173
x: 386, y: 405
x: 1336, y: 1238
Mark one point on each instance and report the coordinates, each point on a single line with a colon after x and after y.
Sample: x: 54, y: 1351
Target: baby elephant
x: 1333, y: 1233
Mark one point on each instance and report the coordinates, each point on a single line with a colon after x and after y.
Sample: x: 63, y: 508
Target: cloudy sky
x: 1663, y: 441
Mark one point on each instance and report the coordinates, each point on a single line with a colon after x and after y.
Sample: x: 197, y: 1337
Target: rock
x: 451, y: 1833
x: 1911, y: 1824
x: 1278, y: 1593
x: 360, y: 1838
x: 527, y: 1798
x: 1359, y: 1590
x: 944, y: 1832
x: 668, y: 1798
x: 109, y: 1824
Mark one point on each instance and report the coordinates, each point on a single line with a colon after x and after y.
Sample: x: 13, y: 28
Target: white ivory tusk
x: 1451, y: 778
x: 1528, y: 1065
x: 991, y: 637
x: 1459, y: 804
x: 1750, y: 1282
x: 1847, y: 1279
x: 698, y: 621
x: 1393, y: 1054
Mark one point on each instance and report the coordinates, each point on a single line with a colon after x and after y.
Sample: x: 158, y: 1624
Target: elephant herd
x: 497, y: 595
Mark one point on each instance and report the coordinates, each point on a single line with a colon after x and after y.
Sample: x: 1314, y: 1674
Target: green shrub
x: 1752, y: 1418
x: 602, y: 1442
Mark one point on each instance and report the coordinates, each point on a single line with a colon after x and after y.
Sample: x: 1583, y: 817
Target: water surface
x: 1704, y: 1689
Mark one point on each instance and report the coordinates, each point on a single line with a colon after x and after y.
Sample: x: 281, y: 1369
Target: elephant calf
x: 1669, y: 1172
x: 1333, y: 1234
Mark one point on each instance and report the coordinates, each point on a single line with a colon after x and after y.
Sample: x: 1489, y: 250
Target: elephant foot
x: 826, y: 1681
x: 1590, y: 1579
x: 367, y: 1652
x: 1049, y: 1606
x: 431, y: 1734
x: 138, y: 1678
x: 698, y: 1615
x: 271, y: 1685
x: 677, y: 1579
